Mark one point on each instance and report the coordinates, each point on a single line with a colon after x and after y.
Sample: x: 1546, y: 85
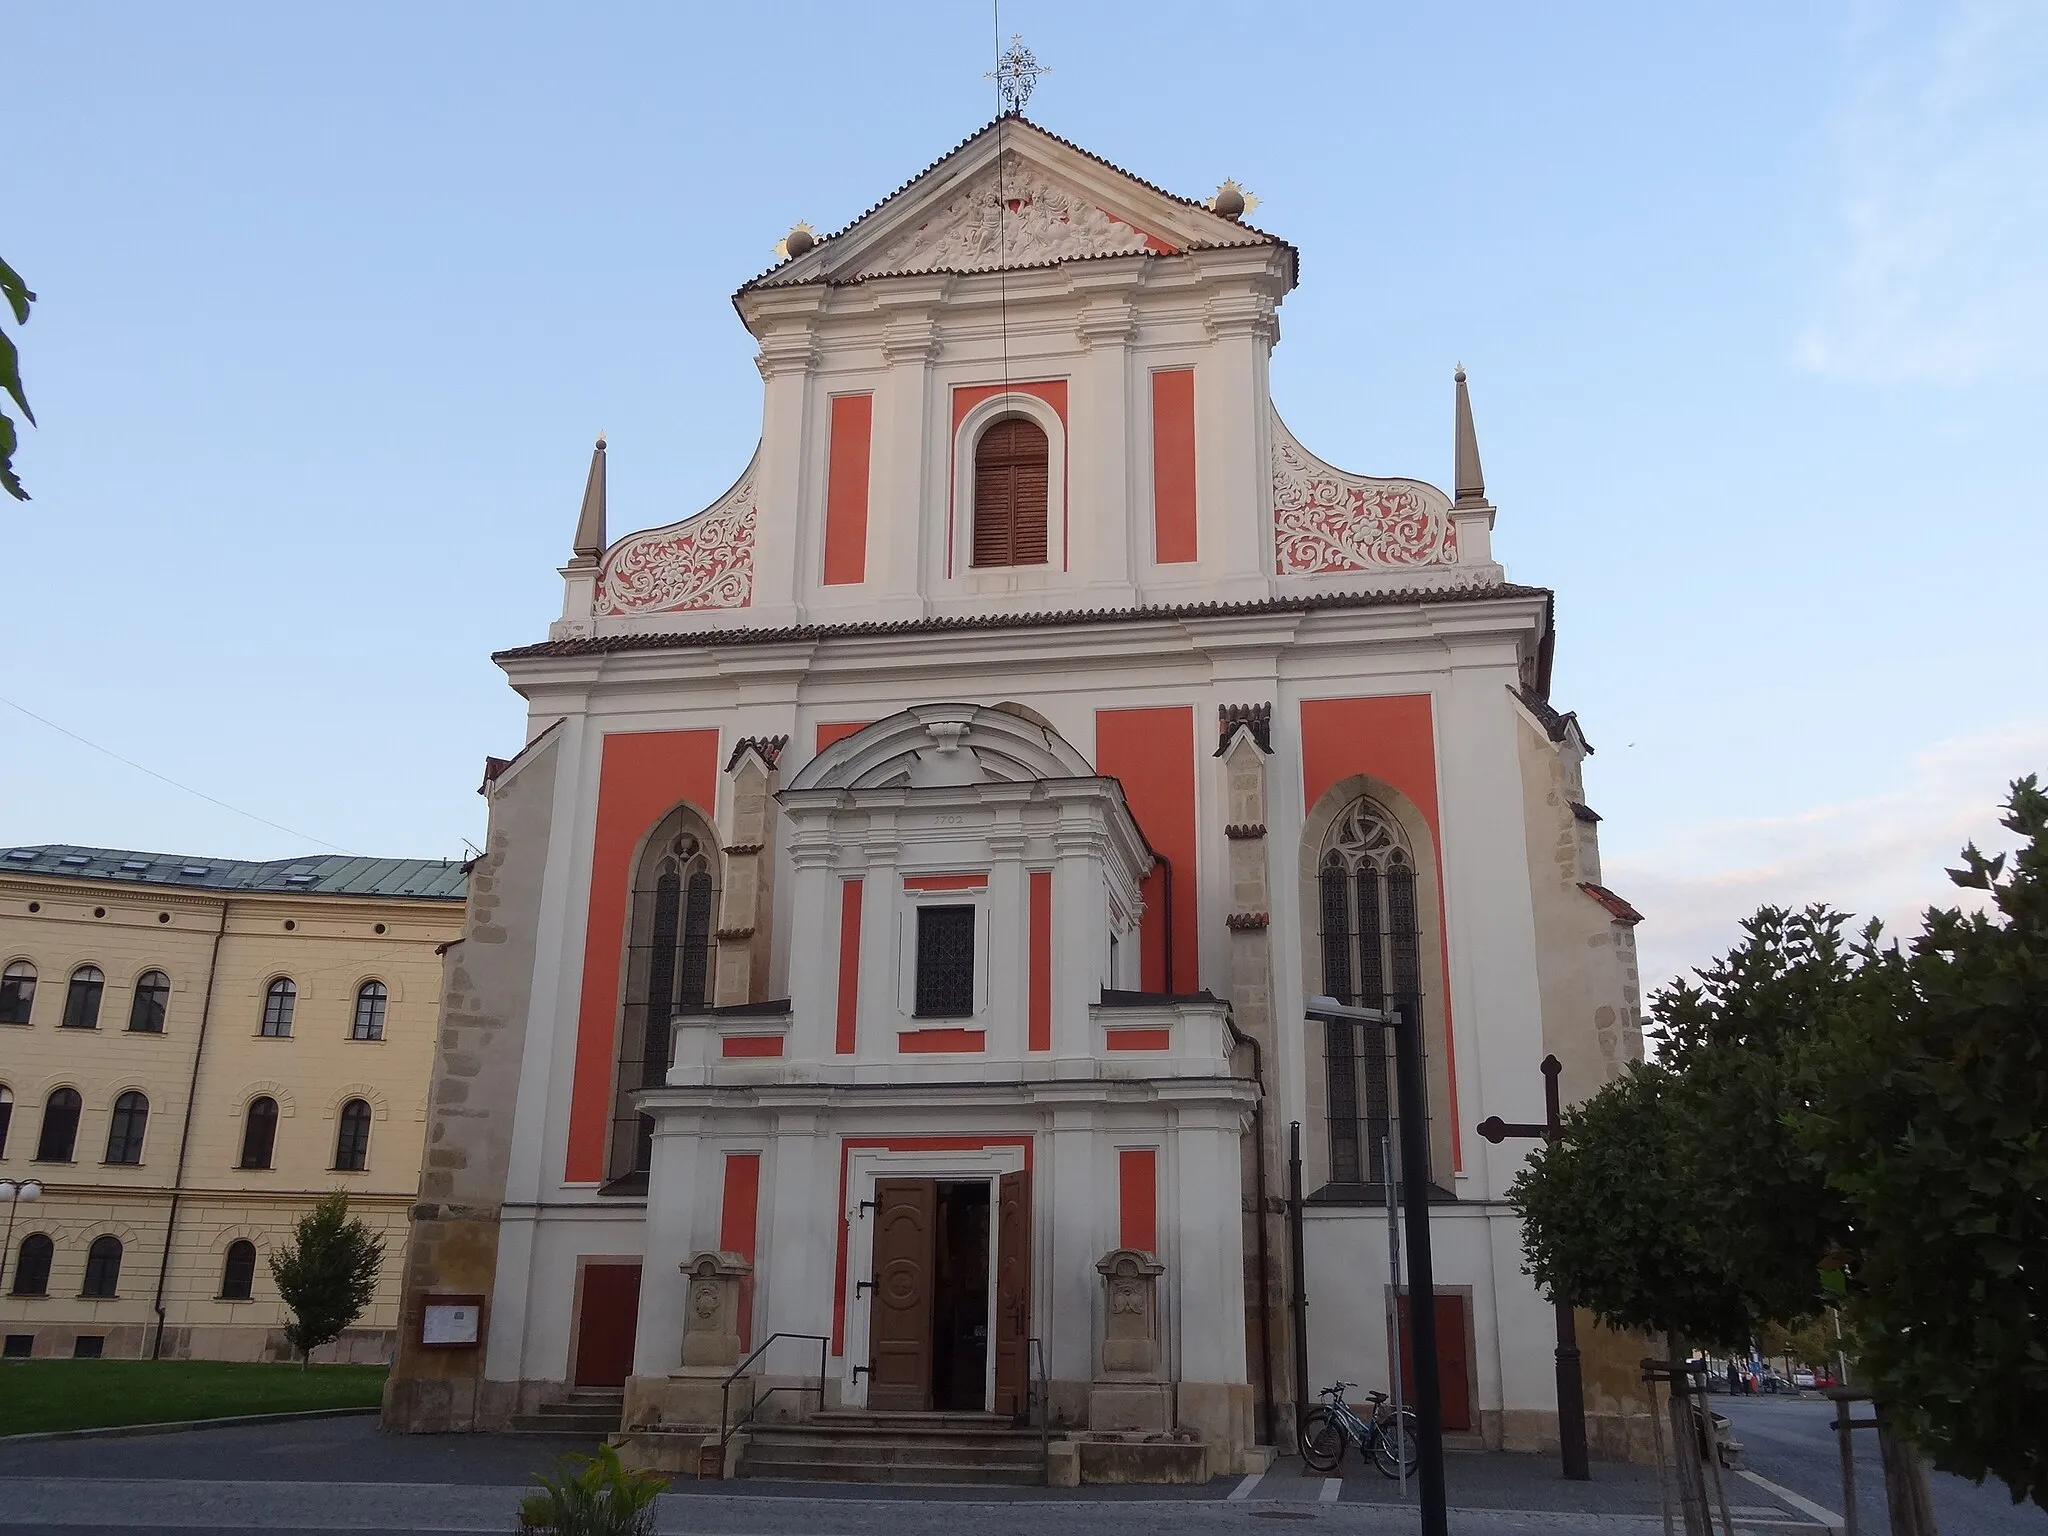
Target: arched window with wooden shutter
x: 1012, y: 479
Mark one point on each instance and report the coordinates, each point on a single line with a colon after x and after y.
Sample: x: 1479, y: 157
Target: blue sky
x: 334, y: 299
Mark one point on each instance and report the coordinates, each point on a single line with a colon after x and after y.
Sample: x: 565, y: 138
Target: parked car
x: 1803, y: 1379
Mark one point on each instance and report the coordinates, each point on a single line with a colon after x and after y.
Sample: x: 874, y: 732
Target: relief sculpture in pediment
x: 1008, y: 215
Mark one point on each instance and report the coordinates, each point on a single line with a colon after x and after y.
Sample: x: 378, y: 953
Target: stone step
x: 893, y: 1450
x: 565, y: 1419
x: 756, y: 1465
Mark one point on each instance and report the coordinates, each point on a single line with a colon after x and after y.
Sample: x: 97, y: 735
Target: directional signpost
x: 1571, y: 1387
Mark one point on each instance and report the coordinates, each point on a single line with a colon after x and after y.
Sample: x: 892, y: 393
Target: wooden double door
x: 939, y: 1253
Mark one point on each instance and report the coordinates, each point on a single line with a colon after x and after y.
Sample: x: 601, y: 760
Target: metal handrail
x: 1039, y: 1389
x: 726, y: 1429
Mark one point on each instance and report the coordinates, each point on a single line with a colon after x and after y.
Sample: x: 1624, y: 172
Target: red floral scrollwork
x: 706, y: 561
x: 1326, y: 520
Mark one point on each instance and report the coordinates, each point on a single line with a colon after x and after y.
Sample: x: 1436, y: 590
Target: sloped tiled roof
x: 1617, y: 908
x: 336, y: 874
x: 1253, y: 234
x: 1555, y: 724
x: 602, y: 645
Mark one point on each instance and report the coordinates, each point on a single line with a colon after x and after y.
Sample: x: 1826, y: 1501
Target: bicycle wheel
x: 1322, y: 1441
x: 1395, y: 1448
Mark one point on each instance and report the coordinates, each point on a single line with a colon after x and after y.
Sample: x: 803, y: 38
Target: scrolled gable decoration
x: 1326, y: 520
x: 703, y: 562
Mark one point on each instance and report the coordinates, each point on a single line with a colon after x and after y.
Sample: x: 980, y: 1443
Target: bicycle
x: 1390, y: 1438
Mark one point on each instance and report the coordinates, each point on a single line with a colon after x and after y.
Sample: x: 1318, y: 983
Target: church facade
x: 892, y: 943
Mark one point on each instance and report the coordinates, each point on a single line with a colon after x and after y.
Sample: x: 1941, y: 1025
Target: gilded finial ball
x: 1228, y: 201
x: 799, y: 240
x: 1458, y: 375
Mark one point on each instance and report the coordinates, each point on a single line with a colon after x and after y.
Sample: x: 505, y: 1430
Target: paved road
x: 342, y: 1475
x: 1792, y: 1442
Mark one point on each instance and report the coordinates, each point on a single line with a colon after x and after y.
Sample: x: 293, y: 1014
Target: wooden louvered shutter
x: 1011, y: 490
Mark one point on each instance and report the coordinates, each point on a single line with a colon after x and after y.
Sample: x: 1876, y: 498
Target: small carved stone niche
x: 711, y: 1311
x: 1130, y: 1337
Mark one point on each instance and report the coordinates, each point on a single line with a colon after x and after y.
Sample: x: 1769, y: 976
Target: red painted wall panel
x: 1394, y: 740
x: 1173, y: 465
x: 849, y: 965
x: 846, y: 490
x: 739, y: 1219
x: 1038, y: 1008
x: 1151, y: 752
x: 1137, y: 1199
x: 830, y: 731
x: 641, y: 777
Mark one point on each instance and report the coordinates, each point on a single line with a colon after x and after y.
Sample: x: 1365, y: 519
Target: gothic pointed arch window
x: 669, y: 966
x: 1369, y: 935
x: 1012, y: 491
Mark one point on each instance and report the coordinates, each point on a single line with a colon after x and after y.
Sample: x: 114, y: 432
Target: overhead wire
x: 167, y: 779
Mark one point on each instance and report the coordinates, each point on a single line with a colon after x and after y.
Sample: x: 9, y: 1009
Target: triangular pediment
x: 1012, y: 196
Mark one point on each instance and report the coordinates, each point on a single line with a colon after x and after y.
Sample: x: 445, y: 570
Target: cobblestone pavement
x: 342, y: 1475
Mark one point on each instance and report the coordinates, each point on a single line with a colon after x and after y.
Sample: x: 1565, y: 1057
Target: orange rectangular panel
x: 1038, y: 979
x: 846, y: 490
x: 739, y: 1219
x: 849, y: 964
x: 733, y: 1046
x: 945, y: 882
x: 830, y: 731
x: 1151, y: 752
x: 641, y: 777
x: 1137, y: 1198
x: 920, y: 1041
x: 1391, y: 739
x: 1138, y: 1039
x: 1173, y: 465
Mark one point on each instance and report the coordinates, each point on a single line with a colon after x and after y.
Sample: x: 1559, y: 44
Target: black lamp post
x: 1571, y: 1386
x: 1412, y: 1095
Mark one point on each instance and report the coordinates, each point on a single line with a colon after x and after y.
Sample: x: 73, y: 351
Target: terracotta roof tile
x: 1621, y: 911
x: 604, y: 645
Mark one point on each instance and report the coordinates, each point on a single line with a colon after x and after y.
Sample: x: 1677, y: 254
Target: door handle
x: 860, y: 1286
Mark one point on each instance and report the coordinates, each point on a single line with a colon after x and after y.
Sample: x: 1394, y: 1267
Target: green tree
x: 19, y: 297
x: 1610, y: 1218
x: 1747, y: 1047
x: 328, y: 1274
x: 1933, y: 1123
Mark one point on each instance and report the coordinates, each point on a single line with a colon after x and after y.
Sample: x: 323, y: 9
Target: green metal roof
x: 331, y: 874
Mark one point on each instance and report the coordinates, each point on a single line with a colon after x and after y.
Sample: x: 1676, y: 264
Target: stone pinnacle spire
x: 590, y: 524
x: 1469, y: 480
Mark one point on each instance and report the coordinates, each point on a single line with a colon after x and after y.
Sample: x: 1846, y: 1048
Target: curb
x: 123, y: 1431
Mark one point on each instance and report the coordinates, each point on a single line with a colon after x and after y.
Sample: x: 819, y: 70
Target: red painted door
x: 900, y: 1319
x: 1013, y: 1293
x: 1452, y: 1355
x: 606, y: 1323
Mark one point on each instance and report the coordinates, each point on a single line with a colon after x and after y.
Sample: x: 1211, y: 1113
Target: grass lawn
x: 92, y: 1394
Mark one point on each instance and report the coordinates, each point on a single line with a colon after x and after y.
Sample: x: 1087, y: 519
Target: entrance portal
x: 931, y: 1320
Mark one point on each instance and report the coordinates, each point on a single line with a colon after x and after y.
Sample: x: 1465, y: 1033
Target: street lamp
x: 14, y: 1194
x: 1412, y: 1095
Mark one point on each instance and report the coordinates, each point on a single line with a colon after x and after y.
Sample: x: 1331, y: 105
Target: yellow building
x: 192, y: 1051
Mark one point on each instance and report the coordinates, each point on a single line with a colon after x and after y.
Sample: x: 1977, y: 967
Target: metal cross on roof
x: 1016, y: 74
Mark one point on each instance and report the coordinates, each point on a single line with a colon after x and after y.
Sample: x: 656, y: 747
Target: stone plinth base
x: 1135, y: 1459
x: 1143, y: 1406
x: 678, y: 1452
x: 1219, y: 1414
x: 690, y: 1398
